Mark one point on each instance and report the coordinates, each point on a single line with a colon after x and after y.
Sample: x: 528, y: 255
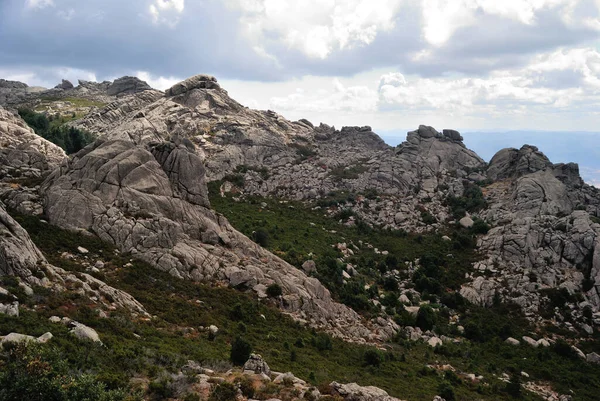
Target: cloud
x: 444, y: 17
x: 317, y: 27
x: 166, y: 11
x: 336, y: 98
x: 162, y: 83
x: 532, y: 89
x: 46, y: 77
x: 67, y: 15
x: 39, y: 4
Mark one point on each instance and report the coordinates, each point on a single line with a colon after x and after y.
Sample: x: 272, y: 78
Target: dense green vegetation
x: 53, y: 129
x: 159, y: 346
x: 298, y: 233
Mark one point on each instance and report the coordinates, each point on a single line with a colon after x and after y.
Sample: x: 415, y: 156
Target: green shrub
x: 446, y: 391
x: 480, y: 227
x: 373, y: 357
x: 240, y: 351
x: 72, y: 140
x: 38, y: 373
x: 224, y: 392
x: 274, y: 290
x: 261, y: 237
x: 322, y: 342
x: 426, y: 318
x: 246, y: 386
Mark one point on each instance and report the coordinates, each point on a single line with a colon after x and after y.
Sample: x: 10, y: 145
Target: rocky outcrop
x: 354, y: 392
x: 144, y: 201
x: 127, y: 86
x: 22, y: 152
x: 18, y: 254
x: 257, y: 365
x: 544, y: 236
x: 65, y: 84
x: 511, y: 162
x: 195, y: 82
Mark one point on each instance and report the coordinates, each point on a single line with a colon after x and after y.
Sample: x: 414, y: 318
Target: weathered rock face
x: 354, y: 392
x: 18, y: 255
x: 126, y: 86
x: 22, y: 152
x: 511, y: 162
x: 543, y: 235
x: 144, y: 201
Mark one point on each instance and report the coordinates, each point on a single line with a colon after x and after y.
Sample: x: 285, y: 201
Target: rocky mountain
x: 541, y: 213
x: 523, y: 231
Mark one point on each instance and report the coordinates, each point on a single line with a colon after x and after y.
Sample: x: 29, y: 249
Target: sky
x: 472, y: 65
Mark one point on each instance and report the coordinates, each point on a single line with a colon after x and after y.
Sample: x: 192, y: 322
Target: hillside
x: 192, y: 225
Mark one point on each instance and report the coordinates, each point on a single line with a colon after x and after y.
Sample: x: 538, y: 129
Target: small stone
x: 466, y: 222
x: 82, y: 250
x: 434, y: 342
x: 54, y: 319
x: 593, y: 358
x: 512, y: 341
x: 44, y: 338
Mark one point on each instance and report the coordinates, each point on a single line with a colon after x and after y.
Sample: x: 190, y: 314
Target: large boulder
x: 126, y: 86
x: 511, y: 162
x: 354, y: 392
x: 256, y: 364
x: 65, y: 84
x: 196, y: 82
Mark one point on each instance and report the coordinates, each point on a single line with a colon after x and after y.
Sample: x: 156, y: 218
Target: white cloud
x: 46, y: 77
x: 166, y: 12
x: 505, y: 92
x: 336, y: 98
x: 161, y: 83
x: 317, y: 27
x: 441, y: 18
x: 67, y: 15
x: 39, y: 4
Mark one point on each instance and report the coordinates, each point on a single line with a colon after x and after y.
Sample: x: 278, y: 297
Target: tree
x: 240, y: 351
x: 426, y: 318
x: 373, y: 357
x: 261, y: 237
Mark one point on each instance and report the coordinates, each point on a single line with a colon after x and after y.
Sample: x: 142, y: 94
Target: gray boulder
x: 127, y: 86
x: 452, y: 134
x: 65, y: 84
x: 354, y: 392
x: 426, y: 131
x: 256, y: 364
x: 195, y: 82
x: 593, y: 358
x: 84, y: 332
